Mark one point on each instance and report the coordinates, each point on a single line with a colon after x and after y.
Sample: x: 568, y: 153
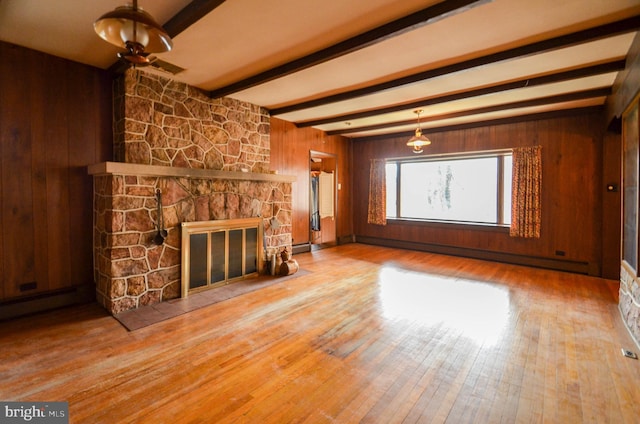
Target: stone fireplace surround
x: 210, y: 160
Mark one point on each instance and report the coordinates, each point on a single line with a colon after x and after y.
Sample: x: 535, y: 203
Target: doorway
x: 323, y: 199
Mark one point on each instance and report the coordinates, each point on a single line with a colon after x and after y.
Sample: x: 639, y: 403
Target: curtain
x: 377, y: 212
x: 525, y: 196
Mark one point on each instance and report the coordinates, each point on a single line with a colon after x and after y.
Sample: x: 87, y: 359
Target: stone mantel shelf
x: 121, y: 168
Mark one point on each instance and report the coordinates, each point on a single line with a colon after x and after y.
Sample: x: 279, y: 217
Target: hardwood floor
x: 371, y: 335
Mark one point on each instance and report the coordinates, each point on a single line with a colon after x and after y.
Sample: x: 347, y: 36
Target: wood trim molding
x: 121, y: 168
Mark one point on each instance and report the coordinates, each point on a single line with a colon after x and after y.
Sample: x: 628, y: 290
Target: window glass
x: 458, y: 190
x: 462, y: 189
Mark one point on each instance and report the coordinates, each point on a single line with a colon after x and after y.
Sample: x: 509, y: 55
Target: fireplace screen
x: 220, y: 252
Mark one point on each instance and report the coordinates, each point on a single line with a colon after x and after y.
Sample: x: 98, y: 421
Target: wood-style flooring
x: 371, y: 335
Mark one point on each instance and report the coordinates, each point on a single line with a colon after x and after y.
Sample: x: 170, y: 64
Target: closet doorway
x: 323, y: 181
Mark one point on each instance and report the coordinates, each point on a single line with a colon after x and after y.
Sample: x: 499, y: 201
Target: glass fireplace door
x: 215, y: 253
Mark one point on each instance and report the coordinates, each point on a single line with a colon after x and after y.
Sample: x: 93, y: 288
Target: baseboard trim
x: 301, y: 248
x: 351, y: 238
x: 308, y: 247
x: 538, y: 262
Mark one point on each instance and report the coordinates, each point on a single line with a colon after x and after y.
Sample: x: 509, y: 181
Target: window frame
x: 500, y: 154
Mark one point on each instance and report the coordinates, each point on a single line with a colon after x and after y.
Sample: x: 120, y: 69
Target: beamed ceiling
x: 360, y: 68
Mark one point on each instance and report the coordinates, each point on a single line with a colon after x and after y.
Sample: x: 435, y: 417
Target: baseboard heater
x: 14, y: 308
x: 538, y: 262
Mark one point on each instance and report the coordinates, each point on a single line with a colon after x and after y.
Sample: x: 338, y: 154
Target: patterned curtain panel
x: 526, y: 186
x: 377, y: 213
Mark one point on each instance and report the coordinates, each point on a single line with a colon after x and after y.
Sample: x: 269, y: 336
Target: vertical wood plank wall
x: 572, y: 191
x: 290, y: 147
x: 611, y: 205
x: 55, y: 119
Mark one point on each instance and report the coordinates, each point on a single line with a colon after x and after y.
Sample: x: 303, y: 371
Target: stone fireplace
x: 209, y: 158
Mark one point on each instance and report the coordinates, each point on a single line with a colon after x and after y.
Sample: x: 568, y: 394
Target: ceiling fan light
x: 130, y: 24
x: 134, y: 32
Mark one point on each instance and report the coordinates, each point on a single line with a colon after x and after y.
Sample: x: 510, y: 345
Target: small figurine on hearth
x: 289, y: 266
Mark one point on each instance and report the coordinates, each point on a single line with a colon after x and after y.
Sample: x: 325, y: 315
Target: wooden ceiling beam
x: 189, y: 15
x: 392, y: 29
x: 558, y: 98
x: 603, y: 68
x: 500, y: 121
x: 592, y: 34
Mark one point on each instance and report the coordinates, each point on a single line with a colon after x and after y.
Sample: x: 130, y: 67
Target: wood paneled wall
x: 290, y: 148
x: 572, y: 194
x: 55, y: 119
x: 611, y: 205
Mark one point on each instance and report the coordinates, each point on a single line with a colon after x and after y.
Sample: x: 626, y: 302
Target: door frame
x: 322, y: 155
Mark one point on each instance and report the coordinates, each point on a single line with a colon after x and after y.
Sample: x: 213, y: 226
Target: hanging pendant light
x: 418, y: 140
x: 131, y: 28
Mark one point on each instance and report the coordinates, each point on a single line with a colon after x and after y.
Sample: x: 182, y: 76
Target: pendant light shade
x: 135, y: 30
x: 418, y: 141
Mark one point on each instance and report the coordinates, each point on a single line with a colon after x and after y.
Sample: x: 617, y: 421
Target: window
x: 458, y: 188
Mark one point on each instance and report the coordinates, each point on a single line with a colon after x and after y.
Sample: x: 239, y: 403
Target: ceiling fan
x: 131, y: 28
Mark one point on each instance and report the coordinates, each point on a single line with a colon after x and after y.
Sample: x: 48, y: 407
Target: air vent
x: 165, y: 66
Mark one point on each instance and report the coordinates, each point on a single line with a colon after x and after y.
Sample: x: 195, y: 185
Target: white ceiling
x: 453, y: 66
